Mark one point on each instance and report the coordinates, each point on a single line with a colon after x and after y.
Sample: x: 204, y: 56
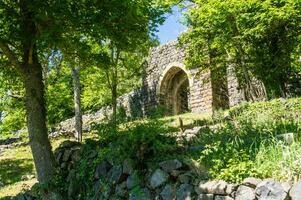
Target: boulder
x: 270, y: 190
x: 251, y: 182
x: 245, y: 193
x: 170, y: 165
x: 185, y: 192
x: 168, y: 193
x: 295, y: 192
x: 158, y: 178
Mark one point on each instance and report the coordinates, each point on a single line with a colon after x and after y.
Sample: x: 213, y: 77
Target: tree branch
x: 10, y: 54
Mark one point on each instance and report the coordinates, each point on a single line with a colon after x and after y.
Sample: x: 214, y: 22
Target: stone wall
x: 169, y: 180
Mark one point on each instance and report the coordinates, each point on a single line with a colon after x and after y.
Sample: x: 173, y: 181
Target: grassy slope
x: 17, y: 170
x: 244, y: 145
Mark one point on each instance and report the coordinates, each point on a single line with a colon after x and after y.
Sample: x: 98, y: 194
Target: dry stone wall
x: 169, y: 180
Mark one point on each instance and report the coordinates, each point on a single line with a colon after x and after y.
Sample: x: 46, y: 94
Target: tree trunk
x: 77, y: 103
x: 114, y: 104
x: 36, y: 123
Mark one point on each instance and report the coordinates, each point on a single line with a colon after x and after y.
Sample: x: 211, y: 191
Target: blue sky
x: 172, y: 27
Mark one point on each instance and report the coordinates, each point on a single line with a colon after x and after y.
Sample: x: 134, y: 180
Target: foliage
x: 260, y: 39
x: 245, y: 143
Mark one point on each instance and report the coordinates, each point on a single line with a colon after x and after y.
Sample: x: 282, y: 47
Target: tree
x: 28, y: 27
x: 122, y: 67
x: 258, y: 37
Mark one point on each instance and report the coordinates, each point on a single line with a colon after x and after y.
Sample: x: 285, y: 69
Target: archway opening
x: 174, y: 91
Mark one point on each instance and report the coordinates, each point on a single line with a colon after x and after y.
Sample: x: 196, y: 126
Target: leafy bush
x: 246, y: 146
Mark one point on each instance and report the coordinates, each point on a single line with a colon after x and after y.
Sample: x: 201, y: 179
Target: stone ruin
x: 168, y: 84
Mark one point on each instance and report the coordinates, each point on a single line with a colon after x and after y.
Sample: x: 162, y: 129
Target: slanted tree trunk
x: 36, y: 123
x: 77, y: 103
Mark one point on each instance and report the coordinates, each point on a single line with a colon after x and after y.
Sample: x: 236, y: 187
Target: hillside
x: 260, y: 140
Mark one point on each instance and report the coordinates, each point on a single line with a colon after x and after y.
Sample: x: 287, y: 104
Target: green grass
x: 244, y: 145
x: 17, y: 164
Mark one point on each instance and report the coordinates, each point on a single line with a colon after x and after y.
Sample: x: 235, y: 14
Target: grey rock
x: 288, y: 138
x: 185, y: 192
x: 127, y: 166
x: 115, y: 174
x: 92, y: 154
x: 212, y: 187
x: 168, y: 193
x: 219, y: 197
x: 286, y: 186
x: 132, y: 181
x: 170, y: 165
x: 158, y: 178
x: 206, y: 197
x: 185, y: 178
x: 67, y: 155
x: 231, y: 188
x: 270, y: 190
x: 295, y: 192
x: 102, y: 169
x: 245, y: 193
x: 251, y: 182
x: 76, y: 155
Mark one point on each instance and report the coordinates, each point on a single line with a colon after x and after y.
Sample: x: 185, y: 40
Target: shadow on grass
x: 11, y: 171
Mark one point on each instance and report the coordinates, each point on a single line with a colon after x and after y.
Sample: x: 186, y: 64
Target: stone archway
x: 174, y: 91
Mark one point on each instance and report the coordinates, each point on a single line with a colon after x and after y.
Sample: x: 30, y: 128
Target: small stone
x: 245, y: 193
x: 185, y: 192
x: 288, y: 138
x: 170, y: 165
x: 66, y: 155
x: 168, y: 193
x: 158, y: 178
x: 102, y: 169
x: 251, y: 182
x: 231, y: 188
x: 92, y: 154
x: 219, y: 197
x: 132, y: 181
x: 185, y: 178
x: 206, y: 197
x: 270, y: 190
x: 175, y: 173
x: 295, y: 192
x: 127, y: 166
x: 76, y: 156
x: 212, y: 187
x: 115, y: 174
